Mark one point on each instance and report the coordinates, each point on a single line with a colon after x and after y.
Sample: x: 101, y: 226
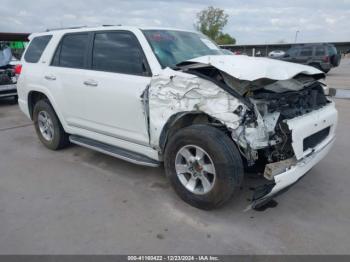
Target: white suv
x: 153, y: 96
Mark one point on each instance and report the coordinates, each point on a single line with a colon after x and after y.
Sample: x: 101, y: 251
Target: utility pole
x: 296, y: 36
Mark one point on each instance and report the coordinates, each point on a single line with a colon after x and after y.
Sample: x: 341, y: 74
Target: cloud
x: 253, y: 21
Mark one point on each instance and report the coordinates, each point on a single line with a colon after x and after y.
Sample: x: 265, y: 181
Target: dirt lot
x: 77, y: 201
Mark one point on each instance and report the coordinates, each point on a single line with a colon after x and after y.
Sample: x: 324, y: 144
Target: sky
x: 250, y: 21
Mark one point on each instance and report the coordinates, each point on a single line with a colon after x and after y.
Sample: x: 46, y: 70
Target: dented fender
x: 172, y: 94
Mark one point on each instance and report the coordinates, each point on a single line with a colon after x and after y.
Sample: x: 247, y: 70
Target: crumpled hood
x: 252, y: 68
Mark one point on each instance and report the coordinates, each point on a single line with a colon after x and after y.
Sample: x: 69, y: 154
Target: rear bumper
x: 8, y: 90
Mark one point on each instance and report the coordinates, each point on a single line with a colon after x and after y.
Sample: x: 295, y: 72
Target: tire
x: 59, y: 138
x: 223, y: 154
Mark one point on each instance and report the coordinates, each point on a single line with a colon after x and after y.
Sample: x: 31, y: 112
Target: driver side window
x: 118, y: 52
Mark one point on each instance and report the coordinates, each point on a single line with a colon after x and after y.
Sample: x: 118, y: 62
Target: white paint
x: 172, y: 92
x: 308, y: 124
x: 254, y: 68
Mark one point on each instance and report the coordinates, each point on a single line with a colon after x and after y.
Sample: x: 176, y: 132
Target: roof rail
x: 63, y: 28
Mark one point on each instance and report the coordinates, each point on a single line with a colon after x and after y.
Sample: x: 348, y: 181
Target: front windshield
x: 172, y: 47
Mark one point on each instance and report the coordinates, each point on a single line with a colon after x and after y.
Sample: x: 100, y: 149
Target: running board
x: 114, y: 151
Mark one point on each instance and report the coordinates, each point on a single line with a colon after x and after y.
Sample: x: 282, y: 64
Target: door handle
x: 50, y: 77
x: 90, y: 83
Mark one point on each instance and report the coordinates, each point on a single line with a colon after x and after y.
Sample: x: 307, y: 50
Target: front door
x: 113, y: 85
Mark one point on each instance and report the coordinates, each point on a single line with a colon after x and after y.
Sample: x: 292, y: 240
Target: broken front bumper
x: 305, y: 158
x: 286, y: 179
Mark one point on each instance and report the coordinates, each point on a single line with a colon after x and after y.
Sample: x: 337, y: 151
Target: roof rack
x: 63, y: 28
x: 112, y: 25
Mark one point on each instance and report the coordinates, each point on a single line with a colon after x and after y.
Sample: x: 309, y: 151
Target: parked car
x: 276, y: 53
x: 321, y: 56
x: 7, y: 74
x: 171, y: 97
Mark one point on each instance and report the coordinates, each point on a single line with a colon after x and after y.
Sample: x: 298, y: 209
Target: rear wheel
x: 48, y: 126
x: 203, y: 165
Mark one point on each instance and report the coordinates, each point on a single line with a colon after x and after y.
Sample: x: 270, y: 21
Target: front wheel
x: 203, y: 165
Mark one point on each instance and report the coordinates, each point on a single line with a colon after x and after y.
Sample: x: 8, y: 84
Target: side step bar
x: 114, y: 151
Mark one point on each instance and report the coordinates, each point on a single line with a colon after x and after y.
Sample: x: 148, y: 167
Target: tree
x: 211, y: 22
x: 225, y: 39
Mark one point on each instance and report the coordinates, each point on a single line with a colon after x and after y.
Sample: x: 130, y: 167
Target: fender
x: 181, y: 120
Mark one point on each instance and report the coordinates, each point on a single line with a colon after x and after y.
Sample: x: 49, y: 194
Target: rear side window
x: 306, y: 51
x: 118, y: 52
x: 319, y: 51
x: 332, y: 50
x: 71, y: 51
x: 36, y: 48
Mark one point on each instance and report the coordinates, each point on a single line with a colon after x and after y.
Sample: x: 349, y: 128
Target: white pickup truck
x: 156, y: 96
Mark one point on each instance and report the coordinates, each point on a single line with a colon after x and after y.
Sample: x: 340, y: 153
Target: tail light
x: 326, y: 59
x: 18, y: 69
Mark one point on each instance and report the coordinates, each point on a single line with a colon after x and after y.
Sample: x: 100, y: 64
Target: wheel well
x: 33, y: 98
x: 185, y: 119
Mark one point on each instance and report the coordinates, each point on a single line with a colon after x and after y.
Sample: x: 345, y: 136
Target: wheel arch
x: 184, y: 119
x: 36, y: 95
x: 33, y: 98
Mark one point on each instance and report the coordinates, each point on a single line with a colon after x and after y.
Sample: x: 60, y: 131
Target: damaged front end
x: 278, y: 115
x: 293, y: 131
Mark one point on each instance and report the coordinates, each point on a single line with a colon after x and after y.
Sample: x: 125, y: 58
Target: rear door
x: 66, y: 75
x: 117, y: 77
x: 305, y: 55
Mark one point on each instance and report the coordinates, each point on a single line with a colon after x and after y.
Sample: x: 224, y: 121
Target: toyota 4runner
x: 163, y: 96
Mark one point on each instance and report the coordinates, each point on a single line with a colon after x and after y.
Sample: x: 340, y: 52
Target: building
x: 264, y: 49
